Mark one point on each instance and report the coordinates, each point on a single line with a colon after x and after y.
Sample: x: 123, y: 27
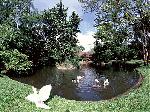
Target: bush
x: 13, y: 60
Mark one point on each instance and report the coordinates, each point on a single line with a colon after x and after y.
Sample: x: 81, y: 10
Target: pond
x: 85, y: 84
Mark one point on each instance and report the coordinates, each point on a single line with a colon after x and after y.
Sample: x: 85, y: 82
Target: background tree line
x: 30, y: 39
x: 123, y: 29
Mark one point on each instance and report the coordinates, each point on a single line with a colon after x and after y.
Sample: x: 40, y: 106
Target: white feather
x: 32, y: 97
x: 44, y: 92
x: 42, y: 105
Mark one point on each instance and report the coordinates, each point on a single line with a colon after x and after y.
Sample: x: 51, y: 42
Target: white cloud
x: 86, y: 40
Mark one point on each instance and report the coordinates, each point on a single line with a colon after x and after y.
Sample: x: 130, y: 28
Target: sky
x: 86, y: 26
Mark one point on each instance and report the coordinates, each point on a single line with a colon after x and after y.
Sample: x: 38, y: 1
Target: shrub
x: 13, y: 60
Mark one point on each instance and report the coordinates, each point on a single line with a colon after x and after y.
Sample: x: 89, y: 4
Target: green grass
x: 12, y: 99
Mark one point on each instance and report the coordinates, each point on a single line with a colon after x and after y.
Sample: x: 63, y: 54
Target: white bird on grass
x: 38, y: 97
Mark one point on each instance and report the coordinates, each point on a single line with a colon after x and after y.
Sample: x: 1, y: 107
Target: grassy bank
x: 12, y: 99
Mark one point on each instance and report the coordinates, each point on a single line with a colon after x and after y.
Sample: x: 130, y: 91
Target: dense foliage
x: 31, y: 39
x: 111, y: 44
x: 121, y: 24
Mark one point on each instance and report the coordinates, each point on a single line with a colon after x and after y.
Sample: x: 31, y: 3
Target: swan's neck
x: 34, y: 90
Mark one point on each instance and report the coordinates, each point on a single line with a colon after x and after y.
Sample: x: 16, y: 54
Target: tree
x: 12, y: 10
x: 60, y: 33
x: 131, y: 16
x: 37, y: 39
x: 11, y: 59
x: 141, y: 30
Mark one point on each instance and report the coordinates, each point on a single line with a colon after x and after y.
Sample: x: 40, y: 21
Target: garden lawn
x: 13, y: 93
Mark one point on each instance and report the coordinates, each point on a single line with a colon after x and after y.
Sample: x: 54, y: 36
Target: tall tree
x: 31, y: 39
x: 60, y: 33
x: 131, y: 15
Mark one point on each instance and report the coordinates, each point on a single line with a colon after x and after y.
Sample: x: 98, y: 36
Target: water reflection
x: 80, y: 84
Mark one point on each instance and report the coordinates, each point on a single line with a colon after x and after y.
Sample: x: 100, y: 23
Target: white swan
x: 106, y: 83
x: 79, y: 78
x: 103, y: 80
x: 97, y: 84
x: 39, y: 97
x: 96, y: 80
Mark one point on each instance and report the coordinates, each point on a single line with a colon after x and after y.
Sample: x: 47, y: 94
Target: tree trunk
x: 145, y: 50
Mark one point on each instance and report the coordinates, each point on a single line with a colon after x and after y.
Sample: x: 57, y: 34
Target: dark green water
x: 63, y: 82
